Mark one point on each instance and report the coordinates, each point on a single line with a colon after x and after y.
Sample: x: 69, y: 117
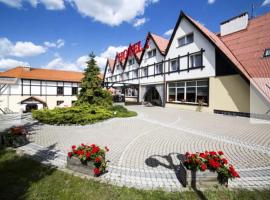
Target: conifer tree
x: 91, y: 89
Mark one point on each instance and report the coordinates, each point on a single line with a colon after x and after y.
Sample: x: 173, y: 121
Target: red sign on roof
x: 133, y: 49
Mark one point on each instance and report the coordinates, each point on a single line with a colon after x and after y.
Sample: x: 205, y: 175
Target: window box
x: 76, y: 165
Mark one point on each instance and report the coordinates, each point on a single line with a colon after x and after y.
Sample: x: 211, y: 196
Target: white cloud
x: 211, y: 1
x: 111, y: 51
x: 49, y: 4
x: 168, y: 32
x: 58, y: 44
x: 78, y: 65
x: 12, y: 3
x: 20, y: 49
x: 112, y: 12
x: 266, y: 2
x: 139, y: 22
x: 24, y: 49
x: 10, y: 63
x: 59, y: 63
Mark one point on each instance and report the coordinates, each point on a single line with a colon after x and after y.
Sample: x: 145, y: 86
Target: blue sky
x: 59, y: 34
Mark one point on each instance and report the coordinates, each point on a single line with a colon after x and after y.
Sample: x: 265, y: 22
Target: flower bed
x: 212, y: 161
x: 88, y: 159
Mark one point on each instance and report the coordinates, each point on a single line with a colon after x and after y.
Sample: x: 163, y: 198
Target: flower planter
x: 76, y: 165
x: 14, y: 140
x: 201, y: 180
x: 19, y: 130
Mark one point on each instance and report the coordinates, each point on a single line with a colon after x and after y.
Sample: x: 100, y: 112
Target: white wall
x: 199, y: 42
x: 10, y: 96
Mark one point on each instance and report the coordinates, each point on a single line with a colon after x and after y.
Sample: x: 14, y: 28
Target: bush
x: 80, y: 115
x: 121, y: 111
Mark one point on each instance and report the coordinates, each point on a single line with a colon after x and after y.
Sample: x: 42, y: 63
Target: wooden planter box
x: 201, y: 180
x: 19, y: 130
x: 76, y: 165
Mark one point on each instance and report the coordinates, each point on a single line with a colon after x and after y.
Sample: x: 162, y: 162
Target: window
x: 193, y: 92
x: 145, y: 71
x: 117, y: 67
x: 152, y: 53
x: 135, y: 74
x: 196, y: 60
x: 131, y: 61
x: 187, y: 39
x: 127, y: 75
x: 174, y: 65
x: 58, y: 103
x: 266, y: 53
x: 74, y: 90
x: 60, y: 90
x: 159, y: 68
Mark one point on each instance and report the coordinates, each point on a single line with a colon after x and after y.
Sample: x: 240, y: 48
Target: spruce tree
x: 91, y: 89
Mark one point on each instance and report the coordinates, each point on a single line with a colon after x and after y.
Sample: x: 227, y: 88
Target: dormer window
x: 131, y: 61
x: 152, y: 53
x: 187, y: 39
x: 266, y: 53
x: 117, y: 67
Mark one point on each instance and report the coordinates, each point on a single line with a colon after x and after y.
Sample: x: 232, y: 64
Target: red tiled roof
x: 245, y: 50
x: 43, y: 74
x: 161, y: 42
x: 248, y: 47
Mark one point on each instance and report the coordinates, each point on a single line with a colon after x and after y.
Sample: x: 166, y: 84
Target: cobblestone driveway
x: 145, y: 150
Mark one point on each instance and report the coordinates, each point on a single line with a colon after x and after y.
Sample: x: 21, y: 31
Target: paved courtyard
x: 145, y: 150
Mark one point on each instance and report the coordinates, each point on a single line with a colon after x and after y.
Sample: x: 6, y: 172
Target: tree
x: 91, y: 90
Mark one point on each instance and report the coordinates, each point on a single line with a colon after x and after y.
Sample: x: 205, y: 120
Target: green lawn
x: 23, y: 178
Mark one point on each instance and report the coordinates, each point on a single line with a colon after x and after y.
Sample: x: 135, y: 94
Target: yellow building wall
x: 229, y: 93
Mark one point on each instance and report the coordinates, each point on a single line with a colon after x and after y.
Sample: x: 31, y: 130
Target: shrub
x: 121, y: 111
x: 80, y: 115
x: 75, y: 115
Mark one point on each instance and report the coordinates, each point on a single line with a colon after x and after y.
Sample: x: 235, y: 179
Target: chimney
x: 234, y: 24
x: 25, y: 68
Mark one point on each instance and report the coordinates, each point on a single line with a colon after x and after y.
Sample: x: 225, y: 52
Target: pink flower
x: 73, y: 147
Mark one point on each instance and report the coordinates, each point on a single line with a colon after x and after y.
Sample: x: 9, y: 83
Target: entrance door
x: 152, y: 96
x: 30, y: 107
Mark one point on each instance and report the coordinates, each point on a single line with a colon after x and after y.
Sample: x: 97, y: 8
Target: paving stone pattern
x: 145, y: 151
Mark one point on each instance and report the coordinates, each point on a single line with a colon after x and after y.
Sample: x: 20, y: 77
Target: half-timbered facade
x: 196, y: 68
x: 25, y: 88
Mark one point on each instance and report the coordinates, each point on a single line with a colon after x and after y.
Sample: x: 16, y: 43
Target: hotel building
x: 226, y: 72
x: 24, y: 88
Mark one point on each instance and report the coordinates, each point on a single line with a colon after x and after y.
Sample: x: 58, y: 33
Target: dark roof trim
x: 144, y: 47
x: 133, y: 54
x: 241, y: 15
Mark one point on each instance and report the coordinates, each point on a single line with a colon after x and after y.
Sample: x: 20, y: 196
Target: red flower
x: 212, y: 153
x: 95, y: 150
x: 88, y: 154
x: 80, y: 152
x: 73, y: 147
x: 220, y: 153
x: 106, y: 148
x: 213, y: 163
x: 96, y: 171
x: 97, y: 160
x: 203, y: 167
x: 82, y: 144
x: 202, y: 155
x: 69, y: 154
x: 93, y: 145
x: 224, y: 161
x: 187, y: 154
